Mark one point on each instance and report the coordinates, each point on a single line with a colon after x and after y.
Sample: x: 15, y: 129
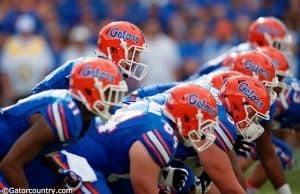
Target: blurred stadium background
x: 38, y: 35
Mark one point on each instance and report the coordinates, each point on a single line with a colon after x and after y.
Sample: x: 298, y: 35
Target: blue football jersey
x: 289, y: 109
x: 152, y: 90
x: 59, y: 78
x: 225, y: 132
x: 217, y: 62
x: 36, y: 170
x: 107, y: 147
x: 58, y: 108
x: 272, y: 113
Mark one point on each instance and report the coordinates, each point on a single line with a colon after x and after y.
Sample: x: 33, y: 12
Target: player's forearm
x: 145, y: 191
x: 221, y: 173
x: 277, y: 176
x: 270, y: 161
x: 236, y: 168
x: 15, y: 176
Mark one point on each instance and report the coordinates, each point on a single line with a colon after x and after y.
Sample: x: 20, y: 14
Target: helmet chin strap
x: 103, y: 114
x: 82, y: 99
x: 253, y: 130
x: 186, y: 141
x: 109, y: 57
x: 199, y: 116
x: 228, y: 105
x: 100, y: 54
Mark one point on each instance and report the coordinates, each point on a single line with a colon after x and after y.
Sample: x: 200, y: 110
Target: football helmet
x: 269, y: 31
x: 97, y: 83
x: 229, y: 59
x: 247, y: 101
x: 259, y: 66
x: 122, y: 42
x: 194, y: 110
x: 278, y: 60
x: 282, y: 69
x: 219, y: 79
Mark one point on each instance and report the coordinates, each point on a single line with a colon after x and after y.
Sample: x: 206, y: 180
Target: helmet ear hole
x: 114, y: 50
x: 88, y: 91
x: 260, y: 43
x: 186, y: 119
x: 235, y: 106
x: 107, y: 31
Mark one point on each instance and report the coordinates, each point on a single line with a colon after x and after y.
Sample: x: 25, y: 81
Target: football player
x: 287, y: 118
x: 264, y: 31
x: 252, y: 63
x: 256, y: 64
x: 141, y: 138
x: 232, y: 120
x: 120, y: 41
x: 282, y: 149
x: 47, y: 121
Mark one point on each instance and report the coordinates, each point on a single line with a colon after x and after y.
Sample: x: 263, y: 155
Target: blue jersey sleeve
x: 273, y: 109
x: 160, y: 143
x: 57, y: 79
x: 289, y: 117
x: 159, y: 98
x: 152, y: 92
x: 225, y: 132
x: 154, y: 89
x: 217, y: 62
x: 65, y: 120
x: 208, y: 67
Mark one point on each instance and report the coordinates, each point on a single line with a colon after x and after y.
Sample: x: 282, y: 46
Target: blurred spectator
x: 189, y: 67
x: 242, y: 23
x: 292, y: 20
x: 178, y: 27
x: 149, y: 3
x: 274, y: 8
x: 191, y: 47
x: 163, y: 56
x: 26, y: 58
x: 195, y: 25
x: 52, y: 29
x: 79, y: 44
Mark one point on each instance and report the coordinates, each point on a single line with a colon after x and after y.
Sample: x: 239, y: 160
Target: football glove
x: 174, y: 177
x: 245, y: 148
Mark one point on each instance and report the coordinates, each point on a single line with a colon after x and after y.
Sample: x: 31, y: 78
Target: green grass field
x: 293, y: 177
